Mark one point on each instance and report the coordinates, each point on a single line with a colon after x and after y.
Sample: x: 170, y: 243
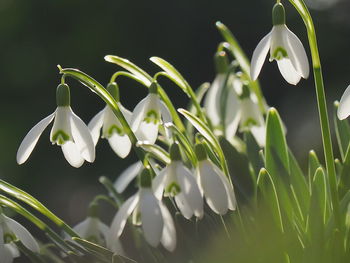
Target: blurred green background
x: 37, y: 35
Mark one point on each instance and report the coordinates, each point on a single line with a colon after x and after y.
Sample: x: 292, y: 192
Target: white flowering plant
x: 218, y: 174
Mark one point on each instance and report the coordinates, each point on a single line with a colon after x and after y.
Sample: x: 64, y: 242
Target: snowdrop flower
x: 178, y: 181
x: 112, y: 129
x: 242, y: 109
x: 285, y: 47
x: 214, y: 185
x: 147, y: 116
x: 344, y: 105
x: 12, y: 230
x: 155, y: 219
x: 68, y: 131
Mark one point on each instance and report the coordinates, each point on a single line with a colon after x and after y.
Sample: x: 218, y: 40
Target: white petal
x: 190, y: 189
x: 61, y: 124
x: 213, y: 98
x: 151, y: 217
x: 147, y: 132
x: 166, y: 116
x: 127, y: 114
x: 231, y: 198
x: 259, y: 56
x: 158, y: 183
x: 168, y: 238
x: 259, y: 133
x: 213, y: 187
x: 183, y: 206
x: 121, y: 145
x: 122, y: 215
x: 95, y: 126
x: 138, y: 113
x: 344, y: 105
x: 288, y: 71
x: 72, y: 154
x: 22, y: 234
x: 13, y: 250
x: 82, y: 138
x: 88, y: 228
x: 5, y: 253
x: 31, y: 139
x: 103, y: 229
x: 233, y: 114
x: 296, y: 53
x: 127, y: 176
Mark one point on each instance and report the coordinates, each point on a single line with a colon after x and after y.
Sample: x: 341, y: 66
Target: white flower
x: 68, y: 131
x: 11, y: 228
x: 111, y: 126
x: 241, y: 110
x: 285, y: 47
x: 92, y: 229
x: 147, y: 116
x: 111, y: 130
x: 178, y: 181
x: 155, y: 219
x: 344, y: 105
x: 215, y: 186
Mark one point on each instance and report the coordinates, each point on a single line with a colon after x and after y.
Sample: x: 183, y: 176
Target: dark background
x: 36, y: 35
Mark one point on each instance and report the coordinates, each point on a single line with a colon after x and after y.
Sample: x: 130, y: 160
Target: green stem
x: 322, y: 106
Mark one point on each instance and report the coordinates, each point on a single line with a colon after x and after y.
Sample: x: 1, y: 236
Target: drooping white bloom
x: 215, y: 186
x: 178, y: 181
x: 344, y: 105
x: 242, y: 109
x: 285, y: 47
x: 112, y: 129
x: 9, y: 227
x: 155, y: 219
x: 148, y: 114
x: 92, y: 229
x: 68, y: 131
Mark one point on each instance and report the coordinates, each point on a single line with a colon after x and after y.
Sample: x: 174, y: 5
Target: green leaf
x: 342, y: 131
x: 276, y: 149
x: 155, y: 151
x: 172, y: 73
x: 131, y: 67
x: 238, y: 167
x: 344, y: 180
x: 314, y: 163
x: 267, y: 192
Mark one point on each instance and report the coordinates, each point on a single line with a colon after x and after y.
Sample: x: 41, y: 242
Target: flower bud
x: 221, y: 62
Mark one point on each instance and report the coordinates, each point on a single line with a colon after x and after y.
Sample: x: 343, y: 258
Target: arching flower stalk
x: 148, y: 114
x: 68, y: 131
x: 214, y: 185
x: 177, y: 181
x: 112, y: 129
x: 149, y: 212
x: 285, y: 47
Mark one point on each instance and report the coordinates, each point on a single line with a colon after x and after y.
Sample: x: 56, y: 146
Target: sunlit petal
x: 344, y: 105
x: 95, y: 126
x: 126, y: 113
x: 213, y: 187
x: 233, y: 114
x: 122, y: 215
x: 259, y: 56
x: 151, y: 217
x: 121, y: 145
x: 288, y: 71
x: 212, y: 99
x: 138, y: 114
x: 147, y: 132
x: 190, y: 189
x: 183, y: 205
x: 31, y: 139
x: 296, y: 53
x: 259, y: 133
x: 127, y: 176
x: 158, y: 183
x: 168, y: 238
x: 82, y: 138
x: 229, y: 190
x: 22, y: 234
x: 72, y: 154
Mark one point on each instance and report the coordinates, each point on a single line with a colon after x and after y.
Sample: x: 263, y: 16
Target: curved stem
x: 322, y: 106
